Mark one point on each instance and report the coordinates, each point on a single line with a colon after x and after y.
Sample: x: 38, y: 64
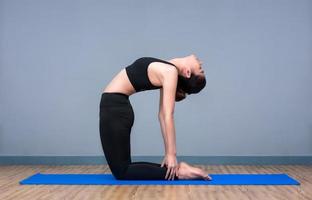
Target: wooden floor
x: 11, y: 175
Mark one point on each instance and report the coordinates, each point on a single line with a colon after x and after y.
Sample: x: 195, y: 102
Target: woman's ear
x: 187, y: 72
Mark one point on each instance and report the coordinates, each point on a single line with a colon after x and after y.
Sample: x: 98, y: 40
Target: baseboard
x: 204, y: 160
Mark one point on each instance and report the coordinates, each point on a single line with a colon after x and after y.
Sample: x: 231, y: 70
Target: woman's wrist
x: 171, y: 153
x: 171, y: 149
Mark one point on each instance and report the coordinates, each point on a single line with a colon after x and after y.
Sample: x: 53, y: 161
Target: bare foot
x: 188, y: 172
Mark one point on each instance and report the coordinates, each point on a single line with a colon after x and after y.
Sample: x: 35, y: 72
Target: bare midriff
x: 120, y: 83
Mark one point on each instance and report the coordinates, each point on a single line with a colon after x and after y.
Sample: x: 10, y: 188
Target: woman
x: 175, y: 79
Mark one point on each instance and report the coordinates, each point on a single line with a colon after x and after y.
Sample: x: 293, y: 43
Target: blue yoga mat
x: 108, y: 179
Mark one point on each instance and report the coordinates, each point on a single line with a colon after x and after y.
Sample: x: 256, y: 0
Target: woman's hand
x: 171, y: 162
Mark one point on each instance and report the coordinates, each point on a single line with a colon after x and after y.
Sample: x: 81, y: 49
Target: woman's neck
x: 180, y: 64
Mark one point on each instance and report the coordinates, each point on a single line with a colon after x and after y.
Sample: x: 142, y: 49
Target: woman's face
x: 197, y: 66
x: 194, y: 68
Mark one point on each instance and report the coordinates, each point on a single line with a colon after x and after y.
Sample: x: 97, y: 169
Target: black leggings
x: 116, y: 121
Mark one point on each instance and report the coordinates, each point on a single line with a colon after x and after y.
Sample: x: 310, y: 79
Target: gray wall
x: 57, y: 56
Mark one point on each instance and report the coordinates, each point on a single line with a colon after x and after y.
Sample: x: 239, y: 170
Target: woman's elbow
x: 165, y: 116
x: 168, y: 117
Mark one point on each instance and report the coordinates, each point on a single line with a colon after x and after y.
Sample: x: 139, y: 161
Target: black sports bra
x: 137, y: 73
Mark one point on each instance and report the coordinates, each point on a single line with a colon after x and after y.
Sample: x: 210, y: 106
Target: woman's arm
x: 161, y: 121
x: 167, y: 124
x: 166, y: 110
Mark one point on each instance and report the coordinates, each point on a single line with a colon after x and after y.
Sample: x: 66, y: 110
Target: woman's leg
x: 116, y: 121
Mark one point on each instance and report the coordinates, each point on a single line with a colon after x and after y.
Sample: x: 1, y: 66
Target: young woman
x: 175, y: 79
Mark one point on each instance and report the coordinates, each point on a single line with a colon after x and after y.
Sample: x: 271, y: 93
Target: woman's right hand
x: 171, y: 162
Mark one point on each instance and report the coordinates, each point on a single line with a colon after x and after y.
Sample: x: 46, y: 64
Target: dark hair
x: 180, y: 94
x: 191, y: 85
